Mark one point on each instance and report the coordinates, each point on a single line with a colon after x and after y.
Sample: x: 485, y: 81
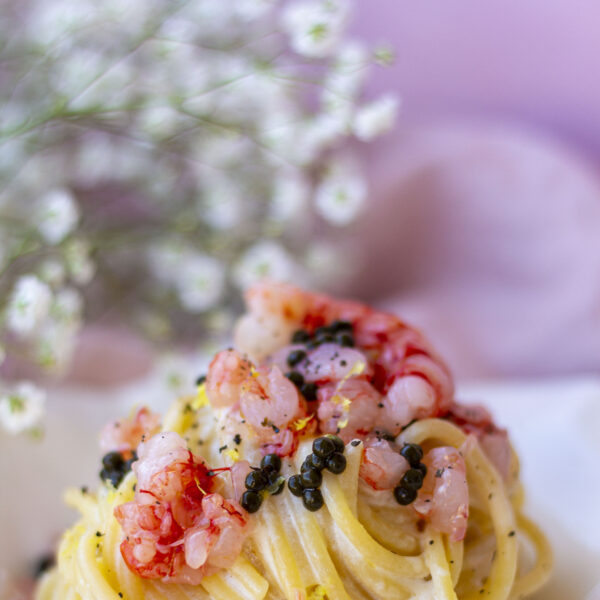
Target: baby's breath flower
x: 80, y: 265
x: 96, y: 160
x: 21, y: 408
x: 28, y: 305
x: 159, y: 121
x: 52, y: 272
x: 55, y: 344
x: 222, y: 203
x: 266, y: 259
x: 252, y: 9
x: 290, y: 196
x: 315, y: 27
x: 199, y: 280
x: 341, y: 196
x: 56, y: 215
x: 189, y: 130
x: 375, y: 118
x: 384, y: 55
x: 349, y: 70
x: 67, y: 305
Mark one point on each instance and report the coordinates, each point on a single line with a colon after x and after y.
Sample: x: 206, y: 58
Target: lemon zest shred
x: 301, y: 424
x: 201, y: 398
x: 233, y: 454
x: 357, y: 369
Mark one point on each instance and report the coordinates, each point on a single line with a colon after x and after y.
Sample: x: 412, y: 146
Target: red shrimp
x: 226, y: 373
x: 270, y: 403
x: 125, y: 434
x: 269, y: 400
x: 477, y: 420
x: 400, y: 364
x: 443, y: 500
x: 177, y: 528
x: 382, y: 466
x: 348, y: 409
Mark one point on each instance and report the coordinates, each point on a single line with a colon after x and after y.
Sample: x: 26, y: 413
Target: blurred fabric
x: 531, y: 62
x: 484, y: 221
x: 487, y: 237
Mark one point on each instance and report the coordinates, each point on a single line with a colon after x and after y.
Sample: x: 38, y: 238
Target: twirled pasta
x: 362, y: 544
x: 349, y: 550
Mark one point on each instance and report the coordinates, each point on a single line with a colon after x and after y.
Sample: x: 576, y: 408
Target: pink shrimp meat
x: 177, y: 528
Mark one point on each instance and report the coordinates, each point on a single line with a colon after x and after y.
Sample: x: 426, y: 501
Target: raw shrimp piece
x: 275, y: 311
x: 269, y: 400
x: 283, y: 443
x: 267, y: 299
x: 156, y: 454
x: 496, y: 447
x: 226, y: 373
x: 125, y: 434
x: 217, y: 538
x: 444, y: 498
x: 259, y: 336
x: 177, y: 528
x: 476, y: 419
x: 331, y: 362
x: 382, y: 466
x: 409, y: 398
x: 398, y: 355
x: 349, y: 409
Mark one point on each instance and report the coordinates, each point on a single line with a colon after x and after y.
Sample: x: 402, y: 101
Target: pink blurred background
x: 484, y: 224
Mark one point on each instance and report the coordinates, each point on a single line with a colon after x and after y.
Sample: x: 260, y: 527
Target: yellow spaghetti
x: 361, y: 545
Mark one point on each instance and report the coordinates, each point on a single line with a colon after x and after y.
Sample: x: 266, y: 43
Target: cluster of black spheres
x: 115, y: 467
x: 327, y: 454
x: 339, y: 332
x: 412, y: 481
x: 267, y: 478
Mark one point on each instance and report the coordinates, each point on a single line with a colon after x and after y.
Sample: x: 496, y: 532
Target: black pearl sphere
x: 336, y: 463
x: 295, y: 485
x: 256, y: 481
x: 311, y: 478
x: 404, y: 496
x: 412, y: 479
x: 312, y: 499
x: 338, y: 442
x: 413, y: 453
x: 251, y: 501
x: 271, y: 462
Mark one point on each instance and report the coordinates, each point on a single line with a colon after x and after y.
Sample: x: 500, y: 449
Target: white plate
x: 554, y: 426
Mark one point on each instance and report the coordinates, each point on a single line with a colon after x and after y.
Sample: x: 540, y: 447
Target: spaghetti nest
x: 354, y: 548
x: 452, y: 528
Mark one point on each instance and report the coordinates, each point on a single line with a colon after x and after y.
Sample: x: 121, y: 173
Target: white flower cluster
x: 21, y: 408
x: 157, y: 156
x: 49, y: 319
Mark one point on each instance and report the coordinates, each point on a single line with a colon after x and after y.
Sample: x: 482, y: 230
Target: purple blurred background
x: 484, y: 226
x: 534, y: 62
